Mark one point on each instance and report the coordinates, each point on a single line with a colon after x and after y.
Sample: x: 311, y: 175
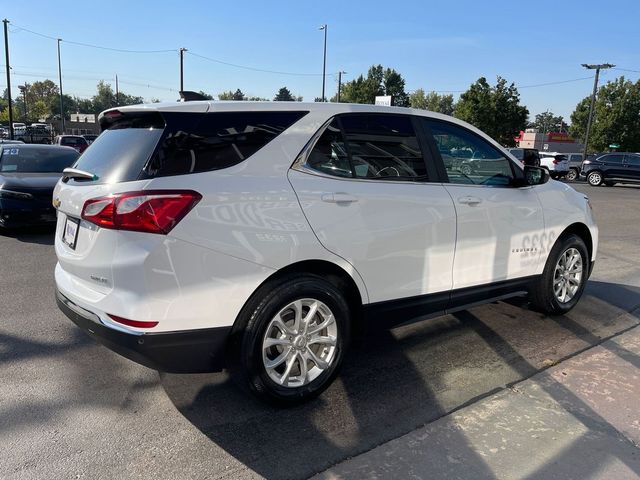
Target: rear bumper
x: 189, y: 351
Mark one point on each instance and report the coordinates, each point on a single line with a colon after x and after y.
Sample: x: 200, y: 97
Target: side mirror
x: 536, y: 175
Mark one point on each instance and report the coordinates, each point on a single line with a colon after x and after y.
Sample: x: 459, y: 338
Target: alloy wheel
x: 299, y: 343
x: 567, y: 275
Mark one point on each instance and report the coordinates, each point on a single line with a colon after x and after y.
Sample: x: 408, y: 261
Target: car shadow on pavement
x: 394, y: 382
x: 42, y: 235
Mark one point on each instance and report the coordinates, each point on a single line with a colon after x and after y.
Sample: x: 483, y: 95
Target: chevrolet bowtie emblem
x: 56, y: 202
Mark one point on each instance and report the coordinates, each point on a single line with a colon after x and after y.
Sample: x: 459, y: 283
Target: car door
x: 631, y: 167
x: 613, y: 165
x: 499, y: 226
x: 369, y: 197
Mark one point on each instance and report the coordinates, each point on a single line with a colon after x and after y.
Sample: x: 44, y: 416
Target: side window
x: 329, y: 154
x: 633, y: 160
x: 615, y: 159
x: 219, y: 140
x: 373, y: 146
x: 469, y: 159
x: 383, y: 146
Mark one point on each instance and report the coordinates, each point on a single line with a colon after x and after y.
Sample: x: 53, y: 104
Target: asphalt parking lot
x: 70, y: 408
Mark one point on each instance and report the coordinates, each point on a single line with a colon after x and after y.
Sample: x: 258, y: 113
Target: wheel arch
x: 329, y: 271
x: 582, y: 231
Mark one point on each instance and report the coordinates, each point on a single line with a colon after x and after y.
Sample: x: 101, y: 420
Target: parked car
x: 612, y: 168
x: 259, y: 237
x: 73, y: 141
x: 575, y: 165
x: 90, y: 137
x: 33, y: 134
x: 28, y: 174
x: 528, y: 156
x: 556, y: 163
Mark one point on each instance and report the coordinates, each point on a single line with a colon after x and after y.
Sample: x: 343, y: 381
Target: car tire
x: 563, y: 279
x: 595, y: 178
x: 465, y: 169
x: 278, y: 356
x: 572, y: 175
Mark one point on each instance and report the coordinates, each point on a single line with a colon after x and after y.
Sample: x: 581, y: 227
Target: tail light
x: 556, y: 161
x: 151, y: 211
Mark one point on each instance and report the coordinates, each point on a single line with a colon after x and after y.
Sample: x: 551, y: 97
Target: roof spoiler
x: 189, y: 96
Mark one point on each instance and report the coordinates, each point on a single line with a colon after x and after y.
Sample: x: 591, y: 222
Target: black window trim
x: 300, y: 163
x: 516, y: 172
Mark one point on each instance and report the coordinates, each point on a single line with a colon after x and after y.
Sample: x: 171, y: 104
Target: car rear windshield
x: 73, y: 141
x: 157, y: 145
x: 36, y: 160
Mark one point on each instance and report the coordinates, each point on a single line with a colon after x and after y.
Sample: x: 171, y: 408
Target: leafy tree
x: 379, y: 81
x: 494, y: 109
x: 284, y: 95
x: 105, y: 98
x: 231, y: 95
x: 204, y: 94
x: 432, y: 101
x: 548, y: 122
x: 257, y: 99
x: 616, y: 117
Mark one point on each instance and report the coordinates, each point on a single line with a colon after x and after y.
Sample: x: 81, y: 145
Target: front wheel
x: 595, y: 179
x: 293, y: 341
x: 563, y: 279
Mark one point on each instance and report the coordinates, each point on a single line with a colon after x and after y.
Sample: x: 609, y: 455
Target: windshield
x: 120, y: 152
x: 36, y: 160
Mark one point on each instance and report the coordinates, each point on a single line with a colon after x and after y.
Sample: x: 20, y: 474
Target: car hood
x: 28, y: 181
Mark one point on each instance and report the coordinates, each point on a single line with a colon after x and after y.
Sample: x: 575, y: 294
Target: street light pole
x: 593, y: 100
x: 182, y: 50
x: 60, y: 82
x: 324, y: 59
x: 6, y: 53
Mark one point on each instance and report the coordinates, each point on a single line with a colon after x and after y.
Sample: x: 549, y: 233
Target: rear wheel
x: 595, y: 179
x: 572, y: 174
x: 564, y: 276
x: 293, y: 341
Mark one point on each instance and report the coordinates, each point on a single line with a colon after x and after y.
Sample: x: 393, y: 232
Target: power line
x: 82, y: 44
x: 626, y: 70
x: 255, y: 69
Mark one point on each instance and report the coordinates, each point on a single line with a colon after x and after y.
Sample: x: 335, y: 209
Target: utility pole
x: 182, y: 50
x: 340, y: 83
x: 8, y: 68
x: 60, y: 83
x: 597, y: 68
x: 117, y: 92
x: 324, y: 59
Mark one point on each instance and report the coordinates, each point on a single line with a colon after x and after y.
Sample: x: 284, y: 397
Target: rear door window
x: 371, y: 146
x: 614, y: 159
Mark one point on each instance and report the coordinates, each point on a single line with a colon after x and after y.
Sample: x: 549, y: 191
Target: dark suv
x: 611, y: 168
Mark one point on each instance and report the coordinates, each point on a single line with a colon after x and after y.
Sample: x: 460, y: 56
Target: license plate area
x: 70, y: 232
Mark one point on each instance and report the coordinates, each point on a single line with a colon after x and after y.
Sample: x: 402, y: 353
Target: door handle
x: 338, y: 198
x: 470, y: 200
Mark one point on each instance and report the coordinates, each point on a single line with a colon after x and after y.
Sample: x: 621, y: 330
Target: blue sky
x: 441, y: 46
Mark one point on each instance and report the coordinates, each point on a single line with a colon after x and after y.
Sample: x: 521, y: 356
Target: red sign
x: 559, y: 137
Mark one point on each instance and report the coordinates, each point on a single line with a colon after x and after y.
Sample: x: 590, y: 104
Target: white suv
x: 555, y: 162
x: 256, y: 237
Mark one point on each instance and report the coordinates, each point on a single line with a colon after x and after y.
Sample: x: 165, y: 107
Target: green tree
x: 616, y: 117
x: 231, y: 95
x: 105, y: 98
x: 496, y: 110
x: 432, y: 101
x: 379, y: 81
x: 548, y: 122
x: 284, y: 95
x: 204, y: 94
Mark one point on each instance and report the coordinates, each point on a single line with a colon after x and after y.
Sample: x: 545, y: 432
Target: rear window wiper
x: 78, y: 174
